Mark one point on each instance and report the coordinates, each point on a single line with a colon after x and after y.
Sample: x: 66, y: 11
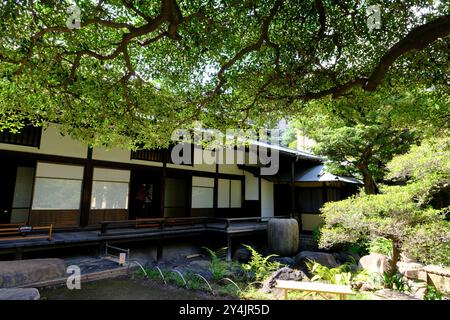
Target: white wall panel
x: 267, y: 207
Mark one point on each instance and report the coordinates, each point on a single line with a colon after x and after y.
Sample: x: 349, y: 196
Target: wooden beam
x: 163, y: 188
x: 86, y: 190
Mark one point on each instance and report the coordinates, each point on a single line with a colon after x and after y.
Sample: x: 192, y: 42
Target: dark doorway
x: 16, y: 187
x: 7, y: 183
x: 145, y: 194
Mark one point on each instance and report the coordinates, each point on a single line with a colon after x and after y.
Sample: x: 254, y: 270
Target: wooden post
x: 292, y: 189
x: 229, y: 248
x: 18, y: 254
x: 87, y: 190
x: 216, y: 190
x: 159, y: 250
x: 163, y: 187
x: 260, y: 195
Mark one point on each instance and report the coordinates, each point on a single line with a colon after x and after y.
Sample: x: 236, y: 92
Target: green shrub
x: 433, y: 294
x: 380, y: 245
x: 150, y: 273
x: 316, y: 233
x: 342, y: 274
x: 394, y: 281
x: 260, y: 267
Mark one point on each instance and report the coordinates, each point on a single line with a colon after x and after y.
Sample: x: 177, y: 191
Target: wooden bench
x: 13, y: 232
x: 314, y: 287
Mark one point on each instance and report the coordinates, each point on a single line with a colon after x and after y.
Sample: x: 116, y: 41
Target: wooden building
x: 48, y: 178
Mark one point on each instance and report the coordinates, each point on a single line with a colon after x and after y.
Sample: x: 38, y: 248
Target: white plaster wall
x: 311, y: 221
x: 267, y: 207
x: 230, y: 169
x: 251, y: 186
x: 54, y: 170
x: 101, y: 174
x: 223, y: 200
x: 52, y: 142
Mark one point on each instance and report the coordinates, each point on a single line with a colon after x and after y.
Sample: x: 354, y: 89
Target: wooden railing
x: 159, y: 223
x: 163, y: 223
x: 20, y: 231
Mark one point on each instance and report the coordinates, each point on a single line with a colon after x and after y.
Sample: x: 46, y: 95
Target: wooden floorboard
x: 130, y: 234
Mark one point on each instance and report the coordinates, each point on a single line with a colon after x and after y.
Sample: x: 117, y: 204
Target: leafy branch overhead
x: 141, y: 68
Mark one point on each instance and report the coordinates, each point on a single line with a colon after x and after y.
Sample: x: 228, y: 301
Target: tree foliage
x: 136, y: 70
x: 360, y: 133
x: 405, y: 214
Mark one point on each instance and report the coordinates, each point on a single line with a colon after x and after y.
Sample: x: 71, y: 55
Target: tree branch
x: 417, y: 39
x: 253, y: 47
x: 322, y: 18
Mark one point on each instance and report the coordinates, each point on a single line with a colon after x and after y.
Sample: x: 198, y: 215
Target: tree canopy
x: 411, y: 215
x: 360, y: 133
x: 135, y: 70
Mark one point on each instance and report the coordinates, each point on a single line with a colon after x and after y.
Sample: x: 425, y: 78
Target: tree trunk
x: 369, y: 183
x: 395, y: 257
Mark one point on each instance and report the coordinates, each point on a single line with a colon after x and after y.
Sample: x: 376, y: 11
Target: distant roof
x: 318, y: 174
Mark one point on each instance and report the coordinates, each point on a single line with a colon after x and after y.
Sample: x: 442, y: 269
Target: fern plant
x: 220, y: 268
x: 337, y: 275
x: 261, y: 267
x: 394, y: 281
x: 342, y: 274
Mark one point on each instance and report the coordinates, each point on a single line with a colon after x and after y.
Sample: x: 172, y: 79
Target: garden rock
x: 438, y: 277
x: 19, y: 294
x: 242, y: 255
x: 374, y: 262
x: 362, y: 286
x: 287, y: 261
x: 405, y: 257
x: 325, y: 259
x: 21, y: 272
x: 346, y: 257
x: 410, y: 269
x: 199, y: 265
x: 393, y: 295
x: 284, y: 273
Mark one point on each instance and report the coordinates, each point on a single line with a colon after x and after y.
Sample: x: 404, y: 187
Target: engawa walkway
x: 124, y: 231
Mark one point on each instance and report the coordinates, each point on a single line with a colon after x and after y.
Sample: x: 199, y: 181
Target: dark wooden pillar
x: 260, y: 195
x: 87, y: 190
x: 163, y: 187
x: 292, y: 188
x: 216, y: 190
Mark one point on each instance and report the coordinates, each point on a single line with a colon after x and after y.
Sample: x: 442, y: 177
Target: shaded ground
x: 124, y: 288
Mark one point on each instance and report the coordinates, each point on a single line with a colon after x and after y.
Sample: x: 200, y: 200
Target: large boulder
x: 439, y: 277
x: 19, y: 294
x: 284, y: 273
x: 325, y: 259
x: 283, y: 236
x: 22, y: 272
x: 374, y: 262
